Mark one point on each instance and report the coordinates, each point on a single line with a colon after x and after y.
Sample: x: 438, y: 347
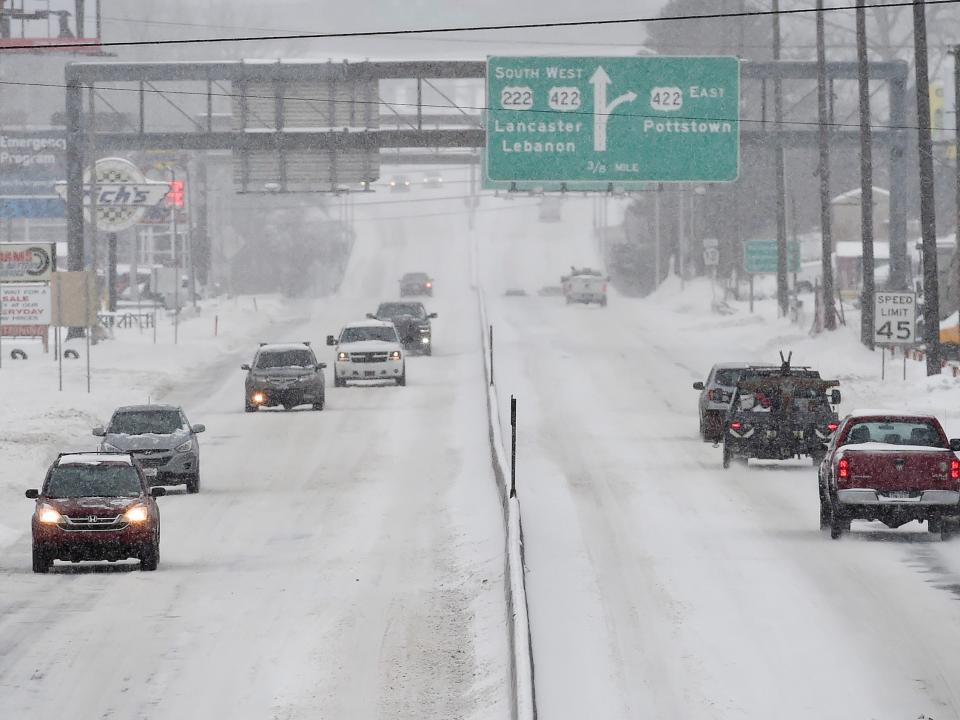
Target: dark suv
x: 284, y: 374
x: 95, y: 506
x: 416, y: 283
x: 412, y: 322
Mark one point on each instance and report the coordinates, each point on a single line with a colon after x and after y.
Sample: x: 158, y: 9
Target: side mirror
x: 954, y: 445
x: 99, y: 431
x: 158, y: 491
x: 432, y: 316
x: 321, y: 366
x: 33, y: 493
x: 198, y: 428
x: 331, y: 340
x: 698, y: 386
x: 834, y: 397
x: 245, y: 366
x: 371, y: 316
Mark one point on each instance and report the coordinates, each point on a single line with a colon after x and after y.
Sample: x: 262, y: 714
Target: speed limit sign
x: 895, y: 318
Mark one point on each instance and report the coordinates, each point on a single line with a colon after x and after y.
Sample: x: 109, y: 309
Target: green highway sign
x: 760, y: 256
x: 613, y: 119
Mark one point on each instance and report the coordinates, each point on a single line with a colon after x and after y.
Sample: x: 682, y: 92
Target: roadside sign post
x: 894, y: 323
x: 760, y: 258
x: 613, y: 119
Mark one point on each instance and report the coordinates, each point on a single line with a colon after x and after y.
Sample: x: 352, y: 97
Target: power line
x: 478, y: 28
x: 484, y: 108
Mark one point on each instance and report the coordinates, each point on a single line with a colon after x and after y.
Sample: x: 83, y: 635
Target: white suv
x: 368, y: 350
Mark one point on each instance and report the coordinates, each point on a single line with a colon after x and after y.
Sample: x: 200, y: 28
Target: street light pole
x: 780, y: 172
x: 823, y: 170
x: 176, y: 261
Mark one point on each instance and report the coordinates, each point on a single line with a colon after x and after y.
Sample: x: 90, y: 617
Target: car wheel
x: 150, y: 555
x: 250, y: 408
x: 948, y: 527
x: 337, y: 382
x: 402, y: 380
x: 824, y: 514
x: 41, y: 560
x: 727, y: 456
x: 838, y: 523
x: 193, y: 484
x: 319, y: 405
x: 603, y: 302
x: 703, y: 430
x: 429, y: 350
x: 934, y: 525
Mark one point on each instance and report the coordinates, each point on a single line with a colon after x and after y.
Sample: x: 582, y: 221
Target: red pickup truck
x: 893, y: 467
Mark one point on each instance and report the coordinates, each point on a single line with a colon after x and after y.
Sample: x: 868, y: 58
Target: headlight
x: 185, y: 447
x: 107, y: 447
x: 305, y: 377
x: 258, y: 398
x: 48, y: 514
x: 343, y: 357
x: 395, y: 355
x: 136, y: 514
x: 425, y: 340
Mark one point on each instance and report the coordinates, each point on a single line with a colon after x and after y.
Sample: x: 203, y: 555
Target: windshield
x: 382, y: 333
x: 395, y: 310
x: 285, y: 358
x: 918, y: 432
x: 73, y: 481
x: 727, y: 378
x: 414, y: 277
x: 144, y: 422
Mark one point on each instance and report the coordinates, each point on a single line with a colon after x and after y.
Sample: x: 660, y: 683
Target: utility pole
x: 829, y: 304
x: 928, y: 218
x: 779, y: 172
x: 956, y: 161
x: 866, y: 181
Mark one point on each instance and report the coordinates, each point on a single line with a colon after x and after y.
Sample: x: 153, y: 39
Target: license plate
x: 902, y: 495
x: 150, y: 472
x: 369, y: 373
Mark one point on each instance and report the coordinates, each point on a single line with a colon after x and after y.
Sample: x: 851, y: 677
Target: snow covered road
x: 343, y: 564
x: 660, y: 585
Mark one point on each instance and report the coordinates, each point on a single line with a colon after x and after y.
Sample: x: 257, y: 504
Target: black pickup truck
x: 780, y: 413
x: 412, y: 322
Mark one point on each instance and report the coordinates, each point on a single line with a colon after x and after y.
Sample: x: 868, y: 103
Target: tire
x: 838, y: 524
x: 150, y: 556
x: 703, y: 434
x: 319, y: 405
x: 429, y: 350
x: 250, y: 408
x: 603, y: 302
x: 193, y: 484
x: 727, y: 456
x: 41, y: 560
x: 402, y: 380
x: 824, y: 514
x: 18, y: 354
x: 948, y: 528
x: 337, y: 382
x: 935, y: 525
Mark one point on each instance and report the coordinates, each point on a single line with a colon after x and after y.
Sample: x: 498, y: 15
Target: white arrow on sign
x: 601, y: 111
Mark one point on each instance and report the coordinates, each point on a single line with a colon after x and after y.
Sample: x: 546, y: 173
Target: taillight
x: 843, y: 468
x: 832, y: 426
x: 710, y: 395
x: 736, y: 425
x: 955, y: 469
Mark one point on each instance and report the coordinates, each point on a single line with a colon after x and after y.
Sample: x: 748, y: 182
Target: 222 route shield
x: 613, y: 119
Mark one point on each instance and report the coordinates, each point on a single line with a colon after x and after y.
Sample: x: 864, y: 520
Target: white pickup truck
x: 584, y: 285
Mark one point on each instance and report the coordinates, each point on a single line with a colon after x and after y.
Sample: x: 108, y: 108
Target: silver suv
x: 716, y: 394
x: 160, y: 438
x: 284, y: 374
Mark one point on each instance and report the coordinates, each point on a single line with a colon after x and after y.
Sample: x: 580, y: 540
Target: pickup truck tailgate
x: 903, y: 470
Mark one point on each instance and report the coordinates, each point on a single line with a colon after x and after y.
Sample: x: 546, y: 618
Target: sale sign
x: 24, y: 304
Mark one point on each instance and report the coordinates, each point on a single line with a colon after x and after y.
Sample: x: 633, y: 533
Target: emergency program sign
x: 895, y: 318
x: 24, y: 304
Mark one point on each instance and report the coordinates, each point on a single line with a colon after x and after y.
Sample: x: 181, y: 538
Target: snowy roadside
x: 686, y: 324
x: 40, y: 420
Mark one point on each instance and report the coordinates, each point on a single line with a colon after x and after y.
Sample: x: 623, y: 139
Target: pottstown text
x: 547, y: 137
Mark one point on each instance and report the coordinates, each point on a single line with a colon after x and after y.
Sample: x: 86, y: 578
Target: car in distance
x: 286, y: 374
x: 95, y: 506
x: 416, y: 283
x: 433, y: 180
x: 716, y: 394
x: 400, y: 183
x: 412, y: 322
x: 368, y: 350
x: 890, y: 466
x: 584, y: 285
x: 160, y: 438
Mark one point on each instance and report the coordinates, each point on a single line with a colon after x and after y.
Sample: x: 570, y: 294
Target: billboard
x: 31, y: 161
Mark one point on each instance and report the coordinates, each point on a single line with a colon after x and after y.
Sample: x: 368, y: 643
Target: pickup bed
x: 891, y: 468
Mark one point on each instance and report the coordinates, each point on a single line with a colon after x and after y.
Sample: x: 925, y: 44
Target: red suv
x: 95, y: 506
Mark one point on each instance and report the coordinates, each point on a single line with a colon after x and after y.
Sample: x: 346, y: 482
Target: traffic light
x: 175, y: 196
